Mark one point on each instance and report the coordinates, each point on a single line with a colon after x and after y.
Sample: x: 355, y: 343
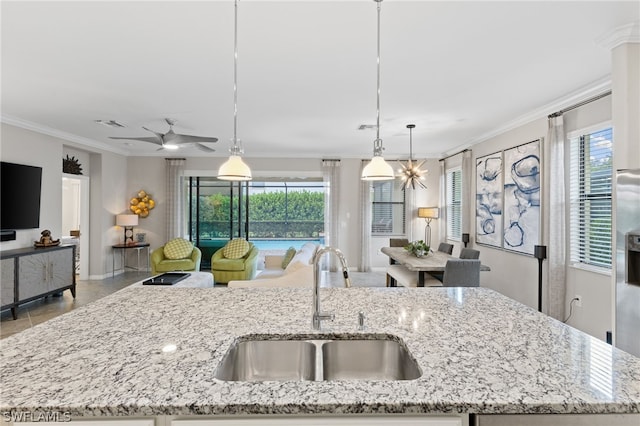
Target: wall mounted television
x: 20, y: 190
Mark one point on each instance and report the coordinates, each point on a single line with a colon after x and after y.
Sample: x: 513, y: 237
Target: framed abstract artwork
x: 489, y: 200
x: 521, y: 208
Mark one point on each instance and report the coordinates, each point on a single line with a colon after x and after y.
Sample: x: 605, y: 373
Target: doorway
x: 75, y: 217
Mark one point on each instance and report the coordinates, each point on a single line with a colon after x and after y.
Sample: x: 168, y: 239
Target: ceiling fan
x: 172, y: 140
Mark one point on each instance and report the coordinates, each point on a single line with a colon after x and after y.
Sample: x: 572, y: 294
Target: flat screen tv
x: 20, y: 187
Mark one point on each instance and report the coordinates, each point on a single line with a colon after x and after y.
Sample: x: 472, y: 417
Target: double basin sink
x: 375, y: 358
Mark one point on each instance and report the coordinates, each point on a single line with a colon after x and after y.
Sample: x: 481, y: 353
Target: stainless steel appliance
x: 627, y: 331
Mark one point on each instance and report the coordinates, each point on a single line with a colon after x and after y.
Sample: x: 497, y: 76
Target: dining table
x: 434, y: 261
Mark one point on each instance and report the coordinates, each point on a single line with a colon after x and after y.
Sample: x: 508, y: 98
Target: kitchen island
x: 479, y: 352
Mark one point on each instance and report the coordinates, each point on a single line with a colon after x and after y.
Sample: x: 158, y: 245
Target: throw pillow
x: 236, y: 248
x: 178, y: 248
x: 288, y: 256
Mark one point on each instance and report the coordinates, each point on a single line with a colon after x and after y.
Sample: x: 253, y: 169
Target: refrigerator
x: 627, y: 329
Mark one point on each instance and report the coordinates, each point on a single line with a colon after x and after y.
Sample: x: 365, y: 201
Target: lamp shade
x: 429, y: 212
x: 234, y: 169
x: 127, y: 219
x: 378, y: 169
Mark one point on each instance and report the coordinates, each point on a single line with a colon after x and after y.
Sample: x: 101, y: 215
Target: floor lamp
x: 428, y: 214
x: 540, y: 253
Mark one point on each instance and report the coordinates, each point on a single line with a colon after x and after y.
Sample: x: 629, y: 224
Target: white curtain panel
x: 556, y: 252
x: 411, y: 211
x: 442, y: 222
x: 467, y: 172
x: 364, y: 265
x: 175, y: 198
x: 331, y: 178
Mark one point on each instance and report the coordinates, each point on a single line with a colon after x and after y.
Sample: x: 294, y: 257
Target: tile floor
x: 41, y: 310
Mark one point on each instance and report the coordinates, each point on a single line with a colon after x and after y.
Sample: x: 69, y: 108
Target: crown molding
x: 629, y: 33
x: 596, y: 88
x: 50, y: 131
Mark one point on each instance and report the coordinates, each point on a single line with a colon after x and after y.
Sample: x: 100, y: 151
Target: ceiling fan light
x: 378, y: 169
x: 234, y: 169
x: 170, y: 146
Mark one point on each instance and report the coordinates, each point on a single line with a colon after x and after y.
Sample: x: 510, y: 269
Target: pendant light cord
x: 378, y: 81
x: 411, y: 127
x: 235, y: 78
x: 377, y: 145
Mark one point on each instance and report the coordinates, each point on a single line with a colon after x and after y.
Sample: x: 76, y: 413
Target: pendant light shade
x: 234, y: 169
x: 378, y: 169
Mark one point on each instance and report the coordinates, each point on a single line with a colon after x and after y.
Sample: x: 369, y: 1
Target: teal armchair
x: 244, y: 268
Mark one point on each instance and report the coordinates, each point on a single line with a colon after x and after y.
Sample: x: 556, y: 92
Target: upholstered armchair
x: 176, y: 255
x: 238, y: 260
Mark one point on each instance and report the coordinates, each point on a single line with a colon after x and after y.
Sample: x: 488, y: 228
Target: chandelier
x: 410, y: 174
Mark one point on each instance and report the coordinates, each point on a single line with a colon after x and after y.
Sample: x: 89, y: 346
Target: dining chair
x: 395, y: 242
x: 467, y: 253
x: 461, y: 273
x: 445, y: 248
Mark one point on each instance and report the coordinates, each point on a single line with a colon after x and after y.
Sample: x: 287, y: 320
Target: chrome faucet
x: 318, y: 316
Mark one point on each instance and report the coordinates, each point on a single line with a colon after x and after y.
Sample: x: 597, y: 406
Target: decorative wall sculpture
x: 522, y: 197
x: 508, y: 198
x: 489, y: 199
x: 141, y: 204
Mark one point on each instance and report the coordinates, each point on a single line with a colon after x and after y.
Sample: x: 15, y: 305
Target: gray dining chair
x: 461, y: 273
x: 445, y: 248
x: 467, y: 253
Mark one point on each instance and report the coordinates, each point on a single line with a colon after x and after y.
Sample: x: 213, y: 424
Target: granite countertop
x: 479, y: 352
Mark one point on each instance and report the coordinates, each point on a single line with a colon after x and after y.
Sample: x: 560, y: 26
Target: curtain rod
x: 453, y: 155
x: 579, y: 104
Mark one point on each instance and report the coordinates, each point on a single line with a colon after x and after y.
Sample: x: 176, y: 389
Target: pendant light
x: 411, y: 173
x: 234, y: 169
x: 378, y: 169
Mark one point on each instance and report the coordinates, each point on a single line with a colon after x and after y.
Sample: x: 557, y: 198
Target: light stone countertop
x: 479, y: 352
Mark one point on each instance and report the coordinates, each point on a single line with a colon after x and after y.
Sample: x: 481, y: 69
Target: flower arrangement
x: 417, y: 248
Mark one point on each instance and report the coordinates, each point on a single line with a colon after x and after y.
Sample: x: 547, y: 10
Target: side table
x: 123, y: 248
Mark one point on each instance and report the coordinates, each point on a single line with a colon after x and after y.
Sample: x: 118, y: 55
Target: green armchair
x: 243, y: 268
x: 189, y: 260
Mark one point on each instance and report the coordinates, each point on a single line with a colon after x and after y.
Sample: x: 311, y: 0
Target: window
x: 453, y: 202
x: 387, y: 208
x: 590, y: 197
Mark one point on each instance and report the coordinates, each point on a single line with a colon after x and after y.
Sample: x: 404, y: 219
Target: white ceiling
x: 306, y: 70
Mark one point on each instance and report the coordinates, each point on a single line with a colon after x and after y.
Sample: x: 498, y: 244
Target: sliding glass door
x: 217, y: 212
x: 274, y: 215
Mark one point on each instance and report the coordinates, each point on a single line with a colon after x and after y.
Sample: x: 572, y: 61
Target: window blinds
x: 590, y: 198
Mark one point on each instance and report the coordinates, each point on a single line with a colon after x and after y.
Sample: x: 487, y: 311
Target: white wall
x: 108, y: 178
x: 516, y: 275
x: 34, y: 149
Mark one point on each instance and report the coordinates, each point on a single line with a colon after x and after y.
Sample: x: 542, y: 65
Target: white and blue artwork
x: 522, y: 197
x: 489, y: 200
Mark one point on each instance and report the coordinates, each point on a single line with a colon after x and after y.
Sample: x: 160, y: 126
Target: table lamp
x: 128, y: 221
x: 428, y: 214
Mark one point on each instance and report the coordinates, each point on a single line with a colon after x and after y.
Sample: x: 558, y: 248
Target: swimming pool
x: 283, y: 244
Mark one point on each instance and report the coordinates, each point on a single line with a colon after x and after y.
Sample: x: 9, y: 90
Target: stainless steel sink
x: 367, y: 360
x: 259, y: 360
x: 378, y: 358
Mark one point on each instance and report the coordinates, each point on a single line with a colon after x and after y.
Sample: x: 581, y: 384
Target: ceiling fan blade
x: 153, y: 140
x: 159, y: 135
x: 204, y: 148
x: 178, y: 139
